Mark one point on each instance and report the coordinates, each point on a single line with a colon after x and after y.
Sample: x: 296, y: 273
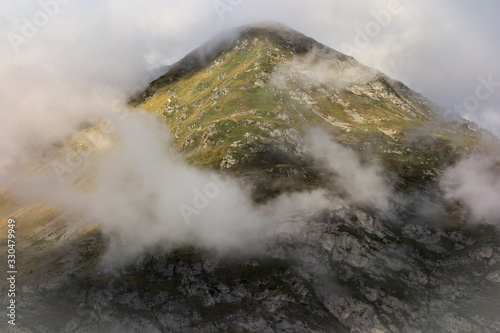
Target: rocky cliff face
x: 343, y: 270
x: 242, y: 105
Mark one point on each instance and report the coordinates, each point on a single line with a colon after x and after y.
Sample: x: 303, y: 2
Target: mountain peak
x: 272, y: 32
x: 271, y: 28
x: 243, y: 100
x: 283, y: 35
x: 269, y: 25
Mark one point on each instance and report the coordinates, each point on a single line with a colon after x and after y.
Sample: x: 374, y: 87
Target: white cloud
x: 475, y: 181
x: 145, y: 198
x: 363, y: 183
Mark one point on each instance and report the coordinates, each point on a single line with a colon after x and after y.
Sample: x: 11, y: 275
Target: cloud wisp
x: 362, y: 183
x: 146, y: 198
x: 475, y: 181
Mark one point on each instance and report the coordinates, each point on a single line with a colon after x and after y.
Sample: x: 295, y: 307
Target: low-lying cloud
x: 362, y: 183
x: 146, y: 198
x: 475, y: 182
x: 319, y: 68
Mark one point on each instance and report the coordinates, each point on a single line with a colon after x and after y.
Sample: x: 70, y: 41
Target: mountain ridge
x: 210, y: 49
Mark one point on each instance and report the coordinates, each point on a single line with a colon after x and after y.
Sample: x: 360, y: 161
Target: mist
x: 318, y: 69
x: 475, y: 182
x: 144, y: 197
x: 362, y: 183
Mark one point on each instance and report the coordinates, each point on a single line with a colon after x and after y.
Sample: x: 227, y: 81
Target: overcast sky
x: 58, y: 55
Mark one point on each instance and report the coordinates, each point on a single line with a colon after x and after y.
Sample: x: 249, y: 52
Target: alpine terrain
x: 280, y: 115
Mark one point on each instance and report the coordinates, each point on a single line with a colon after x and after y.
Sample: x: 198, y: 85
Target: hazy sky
x: 62, y: 61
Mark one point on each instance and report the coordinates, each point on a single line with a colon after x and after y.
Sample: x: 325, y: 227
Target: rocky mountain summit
x: 242, y: 105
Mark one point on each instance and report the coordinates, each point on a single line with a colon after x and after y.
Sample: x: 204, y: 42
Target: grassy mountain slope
x: 246, y: 104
